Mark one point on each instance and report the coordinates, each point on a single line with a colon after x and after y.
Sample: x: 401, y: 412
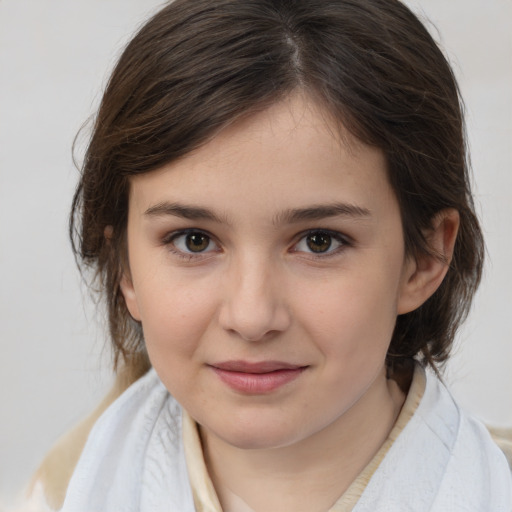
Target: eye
x: 192, y: 242
x: 320, y: 242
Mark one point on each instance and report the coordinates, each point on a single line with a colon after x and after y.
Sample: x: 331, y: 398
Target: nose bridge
x: 254, y: 304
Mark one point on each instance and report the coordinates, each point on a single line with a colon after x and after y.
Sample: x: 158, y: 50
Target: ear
x: 126, y: 283
x: 423, y: 274
x: 130, y: 297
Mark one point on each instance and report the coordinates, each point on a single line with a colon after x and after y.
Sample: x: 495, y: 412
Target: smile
x: 256, y: 378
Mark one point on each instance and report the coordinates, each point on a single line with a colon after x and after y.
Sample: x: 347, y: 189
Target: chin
x: 259, y: 441
x: 257, y: 434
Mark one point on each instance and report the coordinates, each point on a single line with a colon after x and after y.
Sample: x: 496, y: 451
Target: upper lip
x: 255, y: 367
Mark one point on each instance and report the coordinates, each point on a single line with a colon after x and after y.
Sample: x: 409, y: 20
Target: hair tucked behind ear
x: 199, y: 65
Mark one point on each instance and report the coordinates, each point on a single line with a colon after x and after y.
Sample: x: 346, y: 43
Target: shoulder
x: 49, y: 484
x: 442, y: 460
x: 457, y: 430
x: 503, y: 438
x: 476, y: 470
x: 134, y: 455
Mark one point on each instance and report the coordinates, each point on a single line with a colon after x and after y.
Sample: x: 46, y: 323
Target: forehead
x: 286, y: 156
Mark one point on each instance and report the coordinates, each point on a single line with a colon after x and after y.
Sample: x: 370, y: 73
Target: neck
x: 309, y: 475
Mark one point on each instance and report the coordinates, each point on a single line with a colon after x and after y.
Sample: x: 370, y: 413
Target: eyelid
x: 168, y: 241
x: 344, y: 241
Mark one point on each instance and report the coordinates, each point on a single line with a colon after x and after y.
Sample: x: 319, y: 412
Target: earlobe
x: 424, y: 274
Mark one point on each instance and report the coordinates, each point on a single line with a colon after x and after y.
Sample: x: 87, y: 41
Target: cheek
x: 174, y: 316
x: 174, y: 322
x: 351, y: 318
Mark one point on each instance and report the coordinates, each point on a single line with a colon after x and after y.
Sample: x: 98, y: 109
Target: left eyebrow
x: 318, y: 212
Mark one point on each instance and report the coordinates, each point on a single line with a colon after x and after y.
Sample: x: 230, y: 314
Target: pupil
x: 197, y: 242
x: 319, y: 242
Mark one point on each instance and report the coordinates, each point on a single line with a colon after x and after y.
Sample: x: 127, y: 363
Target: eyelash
x: 342, y: 241
x: 170, y: 240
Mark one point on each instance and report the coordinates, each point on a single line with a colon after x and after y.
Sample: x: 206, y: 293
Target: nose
x: 255, y: 305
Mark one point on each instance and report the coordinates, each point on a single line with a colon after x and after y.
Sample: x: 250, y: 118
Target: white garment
x: 134, y: 460
x: 442, y: 461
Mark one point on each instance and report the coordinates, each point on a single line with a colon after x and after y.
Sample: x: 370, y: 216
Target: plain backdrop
x: 54, y: 60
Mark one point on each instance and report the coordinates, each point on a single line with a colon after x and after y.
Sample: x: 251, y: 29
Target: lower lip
x: 258, y: 383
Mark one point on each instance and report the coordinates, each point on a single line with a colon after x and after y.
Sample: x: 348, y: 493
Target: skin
x: 256, y: 290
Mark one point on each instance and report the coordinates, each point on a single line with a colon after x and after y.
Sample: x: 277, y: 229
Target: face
x: 267, y: 269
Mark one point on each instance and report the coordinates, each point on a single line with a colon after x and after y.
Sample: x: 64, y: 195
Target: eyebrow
x: 318, y: 212
x: 182, y: 210
x: 290, y: 216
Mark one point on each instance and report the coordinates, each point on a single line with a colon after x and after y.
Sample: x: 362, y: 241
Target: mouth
x: 256, y: 378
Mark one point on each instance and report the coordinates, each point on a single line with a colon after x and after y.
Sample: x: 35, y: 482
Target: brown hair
x: 198, y: 65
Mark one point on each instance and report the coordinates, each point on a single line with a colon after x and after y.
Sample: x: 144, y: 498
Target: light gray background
x: 54, y: 60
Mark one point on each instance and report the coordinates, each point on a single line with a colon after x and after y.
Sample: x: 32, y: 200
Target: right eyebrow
x: 182, y: 210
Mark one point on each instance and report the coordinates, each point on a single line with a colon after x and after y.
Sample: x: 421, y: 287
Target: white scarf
x: 443, y: 461
x: 134, y: 460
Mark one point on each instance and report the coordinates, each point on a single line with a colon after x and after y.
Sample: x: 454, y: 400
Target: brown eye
x: 322, y: 243
x: 197, y: 242
x: 319, y: 242
x: 192, y: 242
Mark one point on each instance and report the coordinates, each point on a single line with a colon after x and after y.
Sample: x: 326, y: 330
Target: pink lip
x: 256, y: 378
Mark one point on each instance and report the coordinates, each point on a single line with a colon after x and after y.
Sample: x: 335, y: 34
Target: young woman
x: 276, y: 206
